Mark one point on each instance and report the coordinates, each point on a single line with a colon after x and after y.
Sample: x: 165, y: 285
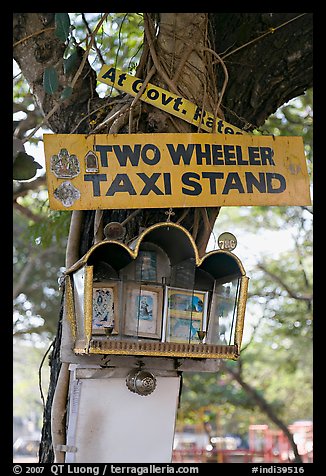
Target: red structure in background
x: 273, y: 446
x: 266, y: 445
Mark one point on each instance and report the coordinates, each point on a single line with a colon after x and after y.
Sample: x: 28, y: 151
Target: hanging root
x: 59, y: 404
x: 58, y: 413
x: 207, y: 229
x: 72, y: 250
x: 98, y: 226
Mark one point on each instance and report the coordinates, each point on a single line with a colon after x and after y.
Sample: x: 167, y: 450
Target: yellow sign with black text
x: 125, y: 171
x: 165, y: 100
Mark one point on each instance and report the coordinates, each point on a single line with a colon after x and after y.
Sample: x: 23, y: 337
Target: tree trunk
x: 269, y: 60
x: 181, y: 56
x: 266, y: 408
x: 46, y: 454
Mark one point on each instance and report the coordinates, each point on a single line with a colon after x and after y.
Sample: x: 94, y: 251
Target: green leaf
x: 66, y: 93
x: 50, y: 80
x: 70, y: 48
x: 62, y: 24
x: 70, y: 62
x: 24, y: 166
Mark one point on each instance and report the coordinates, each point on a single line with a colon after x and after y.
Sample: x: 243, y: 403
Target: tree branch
x: 22, y: 188
x: 271, y: 53
x: 155, y: 59
x: 265, y: 407
x: 291, y: 293
x: 23, y: 276
x: 36, y: 54
x: 73, y: 81
x: 99, y: 54
x: 28, y: 269
x: 27, y: 212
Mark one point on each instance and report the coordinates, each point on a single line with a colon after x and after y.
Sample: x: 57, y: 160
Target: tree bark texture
x: 195, y: 55
x: 270, y: 70
x: 46, y: 453
x: 271, y: 63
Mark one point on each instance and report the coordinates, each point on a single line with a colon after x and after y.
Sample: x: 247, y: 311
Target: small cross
x: 169, y: 213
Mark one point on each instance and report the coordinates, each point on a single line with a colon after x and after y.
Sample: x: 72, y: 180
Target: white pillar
x: 108, y: 423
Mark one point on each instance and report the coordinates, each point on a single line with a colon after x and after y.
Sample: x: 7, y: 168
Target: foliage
x: 24, y: 167
x: 118, y: 41
x: 27, y: 401
x: 37, y: 249
x: 276, y: 359
x: 40, y: 233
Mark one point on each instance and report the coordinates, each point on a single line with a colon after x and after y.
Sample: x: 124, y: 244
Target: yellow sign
x: 127, y: 171
x: 164, y: 100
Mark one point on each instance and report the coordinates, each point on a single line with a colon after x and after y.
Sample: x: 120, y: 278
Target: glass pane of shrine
x: 185, y: 315
x: 221, y: 325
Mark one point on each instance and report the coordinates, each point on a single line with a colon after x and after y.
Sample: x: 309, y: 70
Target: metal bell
x: 141, y: 382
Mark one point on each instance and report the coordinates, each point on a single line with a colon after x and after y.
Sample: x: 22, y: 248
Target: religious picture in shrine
x: 104, y: 302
